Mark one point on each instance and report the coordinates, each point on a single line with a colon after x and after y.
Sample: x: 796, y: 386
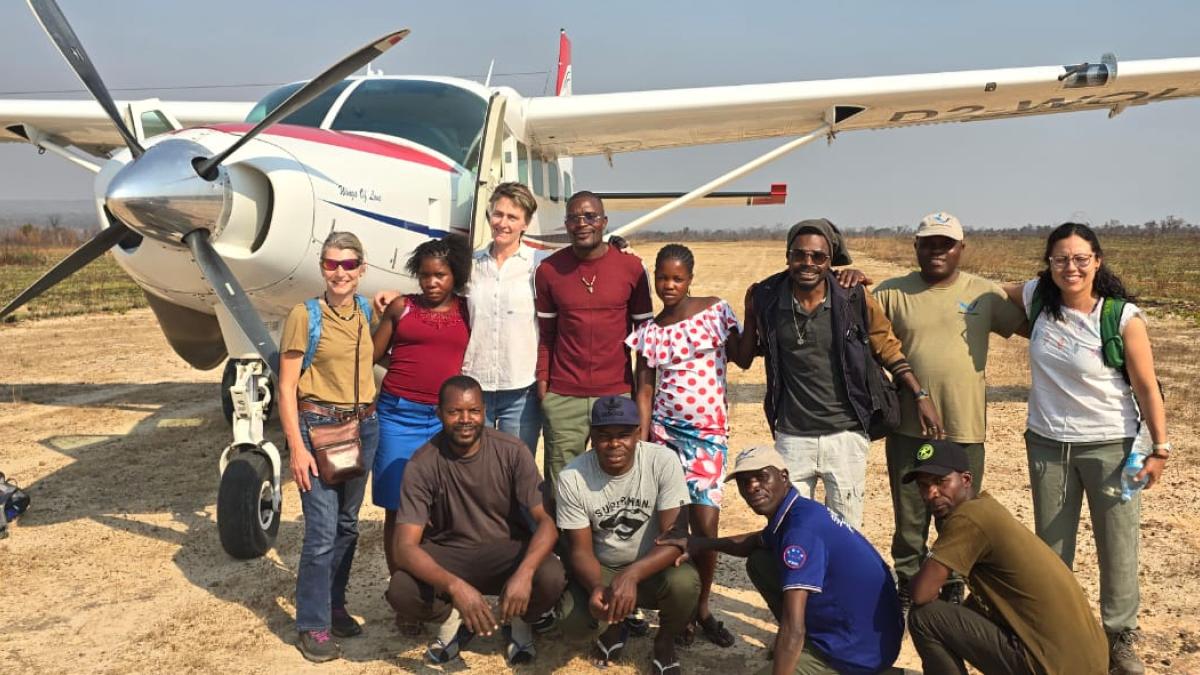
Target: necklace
x: 590, y: 285
x: 333, y: 309
x: 801, y: 335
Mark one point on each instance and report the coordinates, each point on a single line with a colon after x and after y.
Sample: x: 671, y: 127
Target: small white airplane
x: 218, y: 210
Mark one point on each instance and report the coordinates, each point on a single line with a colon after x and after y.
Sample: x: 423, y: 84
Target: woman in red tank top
x: 427, y: 335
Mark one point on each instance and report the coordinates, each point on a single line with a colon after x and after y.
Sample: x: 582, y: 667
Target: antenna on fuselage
x: 373, y: 72
x: 487, y: 81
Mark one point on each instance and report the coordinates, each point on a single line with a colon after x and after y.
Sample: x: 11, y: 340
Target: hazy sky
x: 1141, y: 165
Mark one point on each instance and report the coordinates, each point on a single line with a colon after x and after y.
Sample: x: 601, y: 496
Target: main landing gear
x: 250, y: 498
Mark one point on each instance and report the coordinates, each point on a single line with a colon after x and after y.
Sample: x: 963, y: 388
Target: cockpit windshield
x: 437, y: 115
x: 311, y: 115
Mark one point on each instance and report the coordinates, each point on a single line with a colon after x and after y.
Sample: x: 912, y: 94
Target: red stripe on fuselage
x: 341, y: 139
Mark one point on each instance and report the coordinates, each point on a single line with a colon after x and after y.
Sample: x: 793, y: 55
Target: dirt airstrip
x: 117, y: 567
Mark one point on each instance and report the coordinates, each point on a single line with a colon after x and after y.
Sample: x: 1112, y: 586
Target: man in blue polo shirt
x: 832, y: 594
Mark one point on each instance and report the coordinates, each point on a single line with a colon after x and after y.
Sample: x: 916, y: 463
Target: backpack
x: 1112, y: 347
x: 313, y: 305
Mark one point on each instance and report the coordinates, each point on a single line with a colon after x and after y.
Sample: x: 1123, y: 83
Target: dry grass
x: 1163, y: 270
x: 99, y: 287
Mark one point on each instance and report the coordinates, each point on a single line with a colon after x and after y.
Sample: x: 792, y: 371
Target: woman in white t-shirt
x: 1083, y: 418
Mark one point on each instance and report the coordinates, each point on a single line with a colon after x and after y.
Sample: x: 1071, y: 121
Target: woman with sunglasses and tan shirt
x: 324, y: 392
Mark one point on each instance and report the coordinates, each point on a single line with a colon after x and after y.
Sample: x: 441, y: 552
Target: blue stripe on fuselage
x: 396, y: 222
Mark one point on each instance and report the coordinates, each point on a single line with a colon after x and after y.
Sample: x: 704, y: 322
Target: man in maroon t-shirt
x: 589, y: 296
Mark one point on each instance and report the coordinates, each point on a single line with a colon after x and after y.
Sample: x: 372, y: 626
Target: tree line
x: 1167, y: 226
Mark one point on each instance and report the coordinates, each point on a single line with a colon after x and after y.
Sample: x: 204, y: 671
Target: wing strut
x: 719, y: 181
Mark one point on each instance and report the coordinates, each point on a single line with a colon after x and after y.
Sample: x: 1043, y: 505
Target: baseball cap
x: 938, y: 458
x: 940, y: 224
x: 617, y: 410
x: 753, y: 459
x: 822, y: 226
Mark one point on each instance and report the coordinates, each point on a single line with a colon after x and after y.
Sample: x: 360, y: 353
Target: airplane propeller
x: 170, y: 191
x: 302, y: 96
x: 55, y: 24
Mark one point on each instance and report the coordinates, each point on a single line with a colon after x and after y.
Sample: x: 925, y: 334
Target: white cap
x: 940, y: 224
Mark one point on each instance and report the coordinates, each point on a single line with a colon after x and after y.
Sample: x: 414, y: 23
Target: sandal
x: 662, y: 670
x: 439, y: 653
x: 716, y: 632
x: 517, y: 654
x: 603, y: 655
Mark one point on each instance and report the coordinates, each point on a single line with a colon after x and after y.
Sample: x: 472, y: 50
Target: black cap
x: 938, y: 458
x: 615, y: 410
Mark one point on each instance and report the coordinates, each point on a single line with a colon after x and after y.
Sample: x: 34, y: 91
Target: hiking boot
x: 905, y: 595
x: 1122, y: 659
x: 344, y: 625
x: 953, y: 592
x: 317, y: 646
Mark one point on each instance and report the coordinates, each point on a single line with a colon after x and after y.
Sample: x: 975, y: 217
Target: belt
x: 339, y: 413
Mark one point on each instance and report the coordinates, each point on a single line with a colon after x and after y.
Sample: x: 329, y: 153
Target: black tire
x: 227, y: 378
x: 245, y: 518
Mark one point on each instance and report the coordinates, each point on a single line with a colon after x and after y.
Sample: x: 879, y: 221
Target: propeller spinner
x: 173, y: 191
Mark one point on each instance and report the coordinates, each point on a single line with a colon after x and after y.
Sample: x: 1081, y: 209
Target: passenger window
x: 153, y: 123
x: 567, y: 187
x: 537, y: 176
x: 552, y: 167
x: 522, y: 163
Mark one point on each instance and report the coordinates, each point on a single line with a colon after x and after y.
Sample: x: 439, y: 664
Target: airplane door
x: 490, y: 170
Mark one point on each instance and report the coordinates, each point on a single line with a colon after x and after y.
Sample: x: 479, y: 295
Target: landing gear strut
x: 250, y: 497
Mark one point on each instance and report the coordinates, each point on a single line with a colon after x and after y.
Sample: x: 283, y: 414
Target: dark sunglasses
x: 589, y: 218
x: 800, y: 255
x: 349, y: 264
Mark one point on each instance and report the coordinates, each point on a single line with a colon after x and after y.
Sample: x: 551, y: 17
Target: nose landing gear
x: 250, y: 497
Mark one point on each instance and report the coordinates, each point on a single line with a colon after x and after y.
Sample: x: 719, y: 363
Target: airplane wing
x: 642, y: 201
x: 644, y: 120
x: 84, y: 125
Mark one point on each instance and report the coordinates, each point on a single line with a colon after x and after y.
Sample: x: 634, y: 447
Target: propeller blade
x: 230, y: 292
x: 89, y: 251
x: 55, y: 24
x: 307, y: 93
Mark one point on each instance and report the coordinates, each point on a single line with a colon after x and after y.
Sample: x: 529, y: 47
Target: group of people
x: 510, y: 344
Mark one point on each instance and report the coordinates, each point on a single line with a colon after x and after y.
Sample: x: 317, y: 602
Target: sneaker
x: 344, y: 625
x: 317, y: 646
x: 637, y: 624
x: 1122, y: 659
x: 545, y: 623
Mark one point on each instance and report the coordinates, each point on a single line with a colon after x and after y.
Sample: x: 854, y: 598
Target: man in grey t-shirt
x: 613, y: 502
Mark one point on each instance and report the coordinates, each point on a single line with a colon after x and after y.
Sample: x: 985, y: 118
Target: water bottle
x: 1134, y: 463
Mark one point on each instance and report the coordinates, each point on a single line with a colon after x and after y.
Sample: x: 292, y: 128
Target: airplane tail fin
x: 563, y: 85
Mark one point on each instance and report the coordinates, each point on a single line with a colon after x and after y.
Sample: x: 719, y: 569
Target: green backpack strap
x: 1112, y: 347
x: 1035, y: 308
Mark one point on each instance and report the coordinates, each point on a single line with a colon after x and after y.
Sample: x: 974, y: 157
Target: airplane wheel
x: 246, y: 518
x: 228, y: 376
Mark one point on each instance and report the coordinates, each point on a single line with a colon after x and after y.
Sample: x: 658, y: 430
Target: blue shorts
x: 404, y: 426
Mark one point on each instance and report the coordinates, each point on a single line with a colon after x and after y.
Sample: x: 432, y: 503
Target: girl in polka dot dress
x: 681, y: 392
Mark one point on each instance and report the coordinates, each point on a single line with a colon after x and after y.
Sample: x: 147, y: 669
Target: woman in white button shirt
x: 502, y: 353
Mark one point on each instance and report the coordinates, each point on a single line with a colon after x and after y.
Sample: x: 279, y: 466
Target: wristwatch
x: 1161, y: 450
x: 921, y: 393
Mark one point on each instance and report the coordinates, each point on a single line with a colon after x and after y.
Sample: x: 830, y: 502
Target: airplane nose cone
x: 160, y: 195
